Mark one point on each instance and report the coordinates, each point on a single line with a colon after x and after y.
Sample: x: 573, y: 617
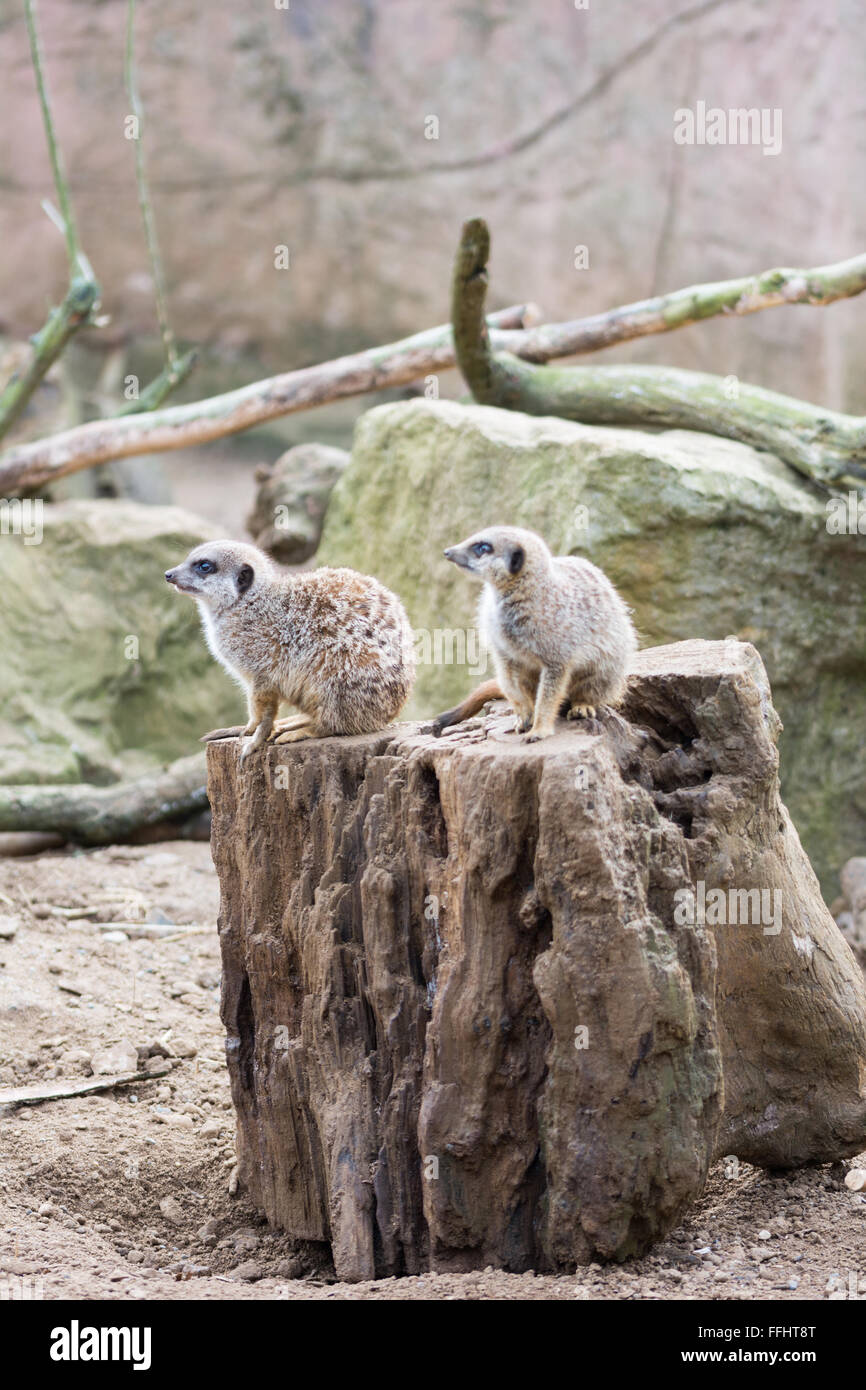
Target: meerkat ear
x: 516, y: 559
x: 245, y: 578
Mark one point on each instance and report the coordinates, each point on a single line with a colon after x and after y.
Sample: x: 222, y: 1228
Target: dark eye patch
x: 482, y: 548
x: 205, y: 567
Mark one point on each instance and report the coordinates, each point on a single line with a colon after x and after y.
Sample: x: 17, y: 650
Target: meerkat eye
x: 482, y: 548
x: 205, y: 566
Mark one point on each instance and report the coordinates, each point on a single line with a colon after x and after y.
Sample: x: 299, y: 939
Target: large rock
x: 704, y: 537
x: 103, y: 670
x: 472, y: 1007
x: 292, y: 498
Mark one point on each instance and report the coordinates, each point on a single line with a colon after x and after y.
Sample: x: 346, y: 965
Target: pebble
x: 120, y: 1057
x: 765, y: 1234
x: 180, y: 987
x: 116, y: 938
x: 8, y: 927
x: 172, y: 1210
x: 248, y: 1271
x: 855, y: 1179
x: 171, y: 1117
x: 211, y: 1129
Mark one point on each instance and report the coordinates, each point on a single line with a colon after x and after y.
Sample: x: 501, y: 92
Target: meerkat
x: 558, y: 631
x: 334, y: 643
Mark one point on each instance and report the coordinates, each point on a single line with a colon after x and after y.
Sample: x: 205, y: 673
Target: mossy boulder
x: 704, y: 538
x: 103, y: 668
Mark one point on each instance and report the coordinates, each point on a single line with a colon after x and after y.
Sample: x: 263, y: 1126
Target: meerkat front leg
x: 552, y: 689
x: 263, y: 711
x: 518, y: 692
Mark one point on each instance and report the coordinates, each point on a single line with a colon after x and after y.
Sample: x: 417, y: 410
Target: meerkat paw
x: 582, y: 712
x: 523, y: 723
x: 536, y: 735
x: 297, y: 734
x: 260, y: 734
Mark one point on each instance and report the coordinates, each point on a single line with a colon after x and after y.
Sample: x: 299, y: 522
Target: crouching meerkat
x: 557, y: 629
x: 334, y: 643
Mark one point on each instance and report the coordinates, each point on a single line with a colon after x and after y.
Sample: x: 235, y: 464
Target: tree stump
x: 496, y: 1003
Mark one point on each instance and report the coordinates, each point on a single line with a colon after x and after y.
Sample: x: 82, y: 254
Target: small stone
x: 157, y: 1066
x: 248, y: 1271
x: 76, y: 1057
x: 115, y: 938
x: 8, y: 927
x: 121, y: 1057
x: 172, y: 1118
x: 179, y: 987
x: 211, y: 1129
x: 48, y: 1209
x: 183, y: 1048
x: 855, y: 1178
x: 172, y: 1211
x: 765, y: 1234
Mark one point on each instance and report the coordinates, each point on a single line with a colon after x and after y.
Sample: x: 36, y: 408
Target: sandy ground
x: 125, y: 1194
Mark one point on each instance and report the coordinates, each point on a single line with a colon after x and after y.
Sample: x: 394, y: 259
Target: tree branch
x: 177, y: 427
x: 748, y: 295
x: 430, y: 352
x: 82, y: 297
x: 824, y: 445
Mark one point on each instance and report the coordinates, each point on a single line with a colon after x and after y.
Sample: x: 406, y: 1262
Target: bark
x: 825, y: 445
x: 29, y: 466
x: 464, y: 1023
x: 91, y: 815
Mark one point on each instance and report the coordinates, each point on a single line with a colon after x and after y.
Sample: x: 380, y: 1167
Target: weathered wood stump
x: 473, y: 1008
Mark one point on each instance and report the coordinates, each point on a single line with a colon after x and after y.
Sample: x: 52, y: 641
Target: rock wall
x: 466, y: 1021
x: 308, y: 127
x: 704, y: 538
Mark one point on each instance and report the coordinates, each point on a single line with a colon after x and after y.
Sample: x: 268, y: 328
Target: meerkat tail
x: 490, y: 690
x: 234, y: 732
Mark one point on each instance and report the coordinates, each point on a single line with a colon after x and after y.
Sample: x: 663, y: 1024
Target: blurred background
x: 307, y: 127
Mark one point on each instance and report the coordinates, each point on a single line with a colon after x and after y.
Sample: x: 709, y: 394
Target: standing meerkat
x: 557, y: 629
x: 334, y: 643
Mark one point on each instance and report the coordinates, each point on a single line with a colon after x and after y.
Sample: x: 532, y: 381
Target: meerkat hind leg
x: 581, y: 712
x: 293, y: 721
x: 298, y: 733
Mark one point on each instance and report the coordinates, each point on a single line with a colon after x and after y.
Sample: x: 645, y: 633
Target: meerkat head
x: 500, y: 555
x: 220, y: 573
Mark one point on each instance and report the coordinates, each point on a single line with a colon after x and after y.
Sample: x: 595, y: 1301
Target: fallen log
x: 89, y: 815
x: 469, y: 1017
